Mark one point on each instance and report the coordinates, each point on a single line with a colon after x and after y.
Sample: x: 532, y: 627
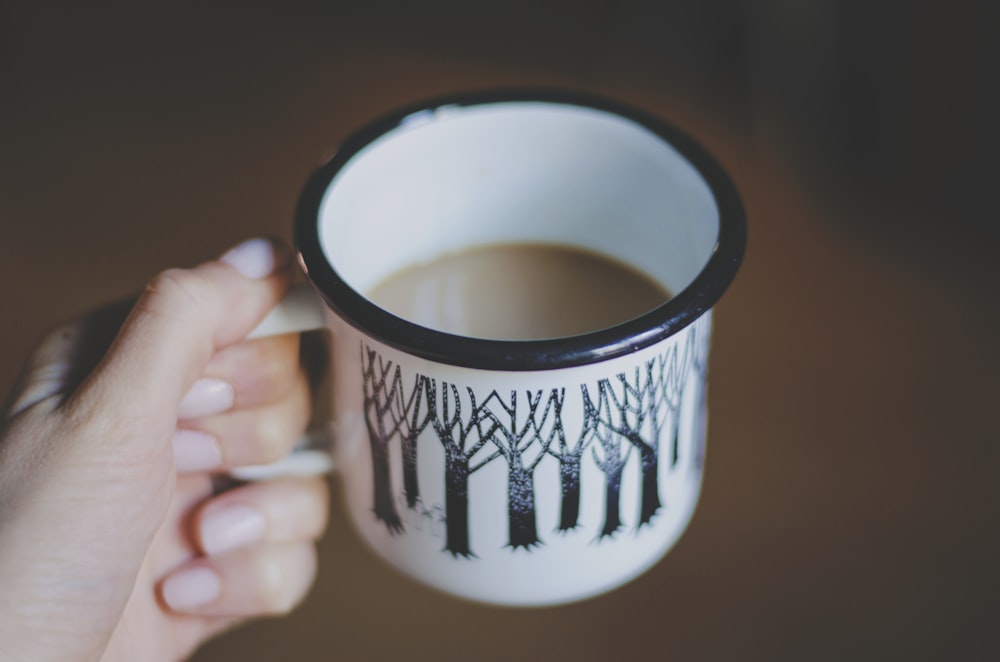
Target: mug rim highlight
x: 525, y: 355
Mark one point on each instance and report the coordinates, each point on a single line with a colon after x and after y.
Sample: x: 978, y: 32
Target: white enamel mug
x: 518, y: 472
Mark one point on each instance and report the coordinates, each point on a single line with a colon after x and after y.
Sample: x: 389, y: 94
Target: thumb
x: 180, y: 320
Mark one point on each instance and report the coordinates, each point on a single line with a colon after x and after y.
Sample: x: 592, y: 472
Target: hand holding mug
x: 113, y: 543
x: 508, y: 470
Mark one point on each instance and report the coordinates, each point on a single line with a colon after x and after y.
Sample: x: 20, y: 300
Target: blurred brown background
x: 851, y: 502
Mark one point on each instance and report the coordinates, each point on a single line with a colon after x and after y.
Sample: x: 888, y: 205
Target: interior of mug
x: 456, y: 177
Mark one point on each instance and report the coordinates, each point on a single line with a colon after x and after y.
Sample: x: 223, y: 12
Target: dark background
x: 850, y: 507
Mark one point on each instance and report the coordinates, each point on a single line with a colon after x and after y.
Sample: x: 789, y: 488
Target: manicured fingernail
x: 254, y: 258
x: 195, y: 450
x: 206, y: 397
x: 191, y: 587
x: 227, y: 528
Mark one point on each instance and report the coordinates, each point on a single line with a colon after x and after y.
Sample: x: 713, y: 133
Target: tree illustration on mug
x: 522, y: 442
x: 461, y: 437
x: 570, y: 456
x: 391, y: 414
x: 633, y: 413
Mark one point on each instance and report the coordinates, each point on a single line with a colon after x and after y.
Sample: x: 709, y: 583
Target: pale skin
x: 113, y: 543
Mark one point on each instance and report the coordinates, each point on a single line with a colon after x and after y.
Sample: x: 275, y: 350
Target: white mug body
x: 521, y: 488
x: 520, y: 473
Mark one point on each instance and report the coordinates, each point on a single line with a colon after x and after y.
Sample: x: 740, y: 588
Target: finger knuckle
x: 270, y: 586
x: 276, y: 591
x: 283, y: 426
x: 172, y: 290
x: 274, y: 438
x: 276, y: 365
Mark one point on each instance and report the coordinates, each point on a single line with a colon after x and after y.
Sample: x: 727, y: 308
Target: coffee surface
x: 519, y: 292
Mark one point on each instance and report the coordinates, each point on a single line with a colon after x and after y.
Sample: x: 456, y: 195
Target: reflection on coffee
x: 519, y: 292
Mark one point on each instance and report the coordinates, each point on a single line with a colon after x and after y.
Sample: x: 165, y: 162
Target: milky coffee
x: 519, y: 292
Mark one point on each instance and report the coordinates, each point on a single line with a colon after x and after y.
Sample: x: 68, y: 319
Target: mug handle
x: 299, y: 310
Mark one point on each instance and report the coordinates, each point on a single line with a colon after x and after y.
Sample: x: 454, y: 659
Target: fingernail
x: 195, y: 450
x: 231, y: 527
x: 205, y: 397
x: 254, y: 258
x: 191, y: 587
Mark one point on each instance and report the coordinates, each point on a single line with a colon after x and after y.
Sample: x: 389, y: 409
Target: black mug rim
x: 525, y: 355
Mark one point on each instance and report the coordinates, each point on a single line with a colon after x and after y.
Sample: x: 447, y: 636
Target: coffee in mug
x: 519, y: 292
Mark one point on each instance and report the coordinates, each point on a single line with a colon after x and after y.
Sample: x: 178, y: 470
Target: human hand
x: 113, y: 545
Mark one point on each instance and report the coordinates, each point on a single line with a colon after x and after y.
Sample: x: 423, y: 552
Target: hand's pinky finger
x: 263, y: 580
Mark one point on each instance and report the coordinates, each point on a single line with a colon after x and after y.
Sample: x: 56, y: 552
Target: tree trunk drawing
x: 412, y: 424
x: 569, y: 474
x: 613, y: 457
x: 411, y: 488
x: 461, y: 437
x: 649, y: 403
x: 650, y: 461
x: 637, y: 420
x: 675, y: 441
x: 377, y: 400
x: 515, y: 437
x: 522, y: 530
x: 385, y: 509
x: 456, y: 505
x: 612, y: 501
x: 673, y: 389
x: 391, y: 413
x: 570, y: 461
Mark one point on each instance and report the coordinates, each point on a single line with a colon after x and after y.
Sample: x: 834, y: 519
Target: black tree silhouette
x: 379, y: 398
x: 514, y: 438
x: 614, y: 459
x: 636, y: 420
x: 675, y: 367
x: 648, y: 398
x: 462, y: 438
x: 410, y: 419
x: 570, y: 459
